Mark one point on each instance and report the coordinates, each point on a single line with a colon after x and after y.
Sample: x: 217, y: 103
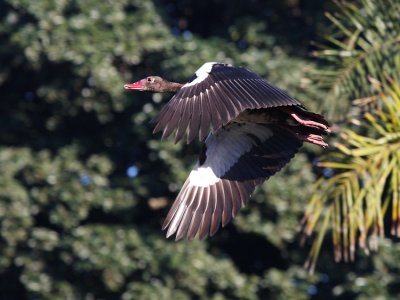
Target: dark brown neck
x: 171, y: 86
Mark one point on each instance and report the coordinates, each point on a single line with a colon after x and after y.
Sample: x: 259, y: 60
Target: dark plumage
x: 253, y: 129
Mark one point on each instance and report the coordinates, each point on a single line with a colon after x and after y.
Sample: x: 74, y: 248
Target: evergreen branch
x: 366, y: 43
x: 365, y: 184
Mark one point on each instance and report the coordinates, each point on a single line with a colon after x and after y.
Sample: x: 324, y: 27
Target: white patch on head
x: 202, y: 73
x: 224, y: 149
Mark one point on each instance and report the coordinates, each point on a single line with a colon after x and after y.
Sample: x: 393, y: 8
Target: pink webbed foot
x: 309, y: 123
x: 314, y: 139
x: 309, y: 137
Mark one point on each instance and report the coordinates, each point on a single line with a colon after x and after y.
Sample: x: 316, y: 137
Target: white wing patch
x: 224, y: 148
x: 202, y: 73
x: 202, y: 176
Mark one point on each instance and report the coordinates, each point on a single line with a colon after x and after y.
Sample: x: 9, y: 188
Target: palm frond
x: 365, y: 42
x: 365, y: 186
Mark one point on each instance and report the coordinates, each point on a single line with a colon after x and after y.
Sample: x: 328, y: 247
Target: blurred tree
x: 84, y: 187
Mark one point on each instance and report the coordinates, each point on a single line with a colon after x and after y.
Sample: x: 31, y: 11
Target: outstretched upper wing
x: 236, y: 160
x: 216, y: 94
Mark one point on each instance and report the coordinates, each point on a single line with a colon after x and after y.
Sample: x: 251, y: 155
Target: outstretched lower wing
x: 216, y: 94
x: 237, y: 159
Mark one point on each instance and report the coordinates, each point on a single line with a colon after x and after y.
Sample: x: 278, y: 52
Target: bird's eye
x: 149, y: 79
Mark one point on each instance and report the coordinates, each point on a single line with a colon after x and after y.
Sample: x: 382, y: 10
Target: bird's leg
x: 310, y: 123
x: 307, y: 119
x: 314, y: 139
x: 308, y: 137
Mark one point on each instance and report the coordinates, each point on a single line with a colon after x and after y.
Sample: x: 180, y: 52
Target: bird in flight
x: 249, y: 128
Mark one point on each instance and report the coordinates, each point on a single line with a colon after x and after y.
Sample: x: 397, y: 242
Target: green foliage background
x: 77, y: 222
